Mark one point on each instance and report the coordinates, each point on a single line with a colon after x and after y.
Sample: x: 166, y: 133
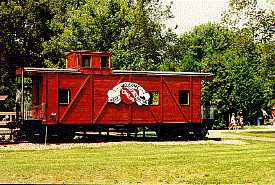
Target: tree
x: 23, y: 29
x: 39, y: 32
x: 25, y: 26
x: 132, y: 30
x: 242, y: 69
x: 247, y: 16
x: 192, y: 47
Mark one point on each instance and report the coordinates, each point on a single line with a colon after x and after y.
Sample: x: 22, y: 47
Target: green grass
x: 268, y: 134
x: 143, y: 163
x: 255, y: 127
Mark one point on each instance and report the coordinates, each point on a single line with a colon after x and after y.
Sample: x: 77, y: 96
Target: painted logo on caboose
x: 129, y: 93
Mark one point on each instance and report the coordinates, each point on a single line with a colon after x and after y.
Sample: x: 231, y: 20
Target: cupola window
x: 86, y: 61
x: 104, y: 62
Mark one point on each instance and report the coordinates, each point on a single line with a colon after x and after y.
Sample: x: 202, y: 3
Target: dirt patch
x: 32, y: 146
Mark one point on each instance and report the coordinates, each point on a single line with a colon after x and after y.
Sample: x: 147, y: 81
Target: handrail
x: 6, y: 117
x: 7, y: 113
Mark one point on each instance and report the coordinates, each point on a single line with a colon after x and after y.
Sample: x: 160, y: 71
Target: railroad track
x: 9, y: 136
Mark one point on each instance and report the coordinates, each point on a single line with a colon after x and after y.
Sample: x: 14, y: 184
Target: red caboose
x: 89, y: 95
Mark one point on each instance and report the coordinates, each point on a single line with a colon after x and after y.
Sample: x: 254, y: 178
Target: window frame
x: 68, y: 96
x: 188, y: 97
x: 83, y: 57
x: 151, y: 98
x: 107, y: 62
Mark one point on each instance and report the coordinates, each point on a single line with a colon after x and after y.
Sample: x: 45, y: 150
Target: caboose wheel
x: 67, y: 134
x: 166, y: 133
x: 200, y: 133
x: 36, y: 135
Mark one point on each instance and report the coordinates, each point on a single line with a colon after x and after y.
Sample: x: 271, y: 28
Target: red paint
x: 89, y: 95
x: 74, y: 60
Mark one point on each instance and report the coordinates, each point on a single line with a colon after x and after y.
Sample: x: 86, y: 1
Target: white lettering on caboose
x: 129, y: 93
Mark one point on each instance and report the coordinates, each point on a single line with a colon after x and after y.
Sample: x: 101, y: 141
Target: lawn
x: 147, y: 163
x: 255, y: 132
x: 268, y: 134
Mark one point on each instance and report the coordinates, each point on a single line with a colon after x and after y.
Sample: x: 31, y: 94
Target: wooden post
x: 143, y: 132
x: 46, y: 134
x: 128, y: 132
x: 22, y: 98
x: 108, y: 133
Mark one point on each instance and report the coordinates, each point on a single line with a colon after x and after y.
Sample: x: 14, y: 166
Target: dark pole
x: 22, y: 100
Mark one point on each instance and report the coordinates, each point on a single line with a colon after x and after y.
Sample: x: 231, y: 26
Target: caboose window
x: 154, y: 98
x: 104, y: 61
x: 86, y: 61
x: 63, y: 96
x: 184, y: 97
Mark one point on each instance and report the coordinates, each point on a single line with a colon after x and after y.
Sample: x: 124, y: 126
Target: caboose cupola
x: 89, y: 62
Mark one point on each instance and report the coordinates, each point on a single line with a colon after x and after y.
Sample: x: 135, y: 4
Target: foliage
x: 243, y: 70
x: 39, y: 32
x: 6, y: 88
x: 24, y: 27
x: 250, y: 18
x: 132, y: 30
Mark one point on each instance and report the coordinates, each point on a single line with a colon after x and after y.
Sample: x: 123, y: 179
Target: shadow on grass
x: 96, y: 138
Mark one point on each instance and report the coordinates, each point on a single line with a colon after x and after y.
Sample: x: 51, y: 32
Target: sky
x: 189, y: 13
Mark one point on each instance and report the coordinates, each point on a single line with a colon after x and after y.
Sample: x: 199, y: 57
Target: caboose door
x: 51, y: 97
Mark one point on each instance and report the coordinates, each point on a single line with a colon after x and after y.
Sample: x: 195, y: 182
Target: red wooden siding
x: 88, y: 87
x: 89, y: 100
x: 52, y: 97
x: 79, y: 108
x: 72, y: 61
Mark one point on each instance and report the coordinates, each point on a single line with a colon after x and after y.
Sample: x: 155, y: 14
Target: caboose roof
x: 32, y: 70
x: 162, y: 73
x: 86, y: 52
